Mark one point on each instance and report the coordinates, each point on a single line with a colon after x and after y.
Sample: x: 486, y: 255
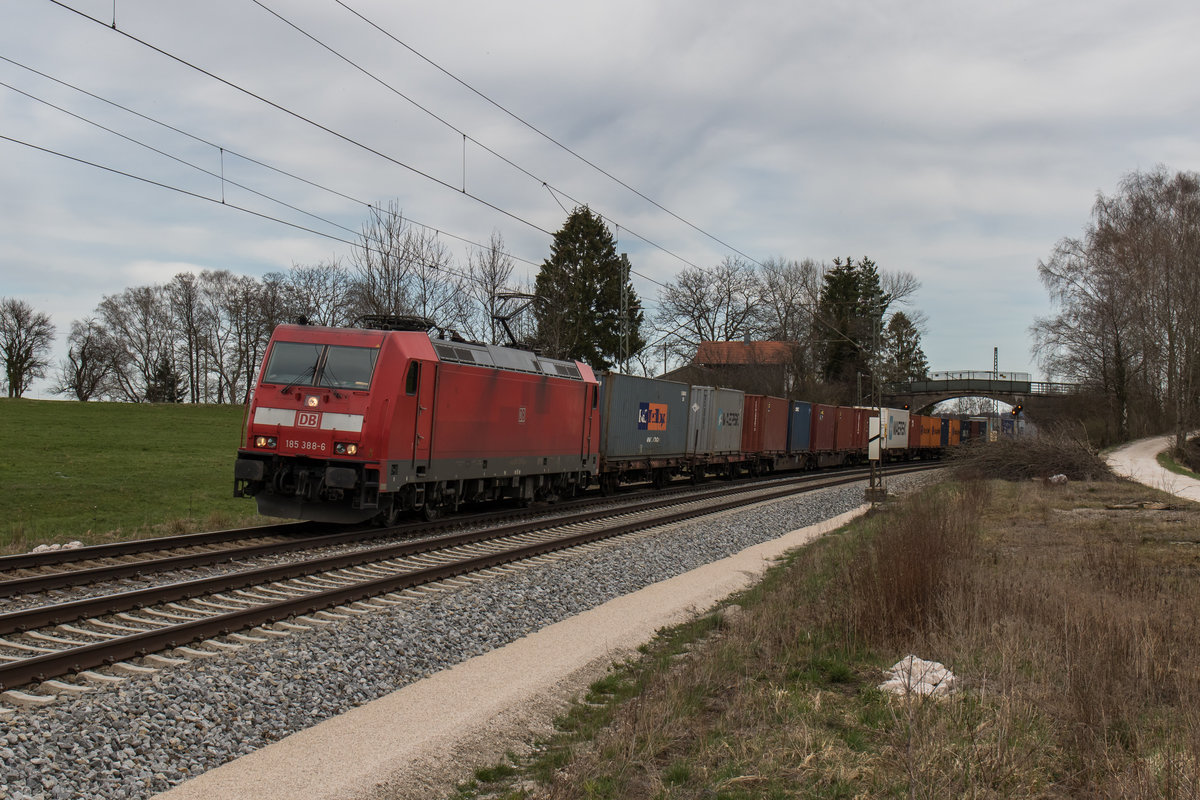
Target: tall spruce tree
x: 849, y: 319
x: 578, y: 295
x: 903, y: 358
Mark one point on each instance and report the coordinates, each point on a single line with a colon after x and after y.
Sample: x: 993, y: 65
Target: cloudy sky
x: 954, y: 140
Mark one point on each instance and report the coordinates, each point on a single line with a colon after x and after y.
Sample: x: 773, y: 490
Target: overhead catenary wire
x: 168, y: 186
x: 540, y: 132
x: 362, y: 243
x: 220, y: 176
x: 554, y: 193
x: 350, y: 140
x: 301, y: 117
x: 465, y: 136
x: 226, y: 151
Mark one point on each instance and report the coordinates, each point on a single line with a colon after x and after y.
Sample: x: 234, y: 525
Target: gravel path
x: 149, y: 733
x: 1138, y: 461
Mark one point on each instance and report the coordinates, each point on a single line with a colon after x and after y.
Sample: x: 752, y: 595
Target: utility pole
x: 877, y: 429
x: 624, y: 313
x: 995, y: 421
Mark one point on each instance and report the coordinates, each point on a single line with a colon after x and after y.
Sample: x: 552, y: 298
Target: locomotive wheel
x: 389, y: 517
x: 430, y: 513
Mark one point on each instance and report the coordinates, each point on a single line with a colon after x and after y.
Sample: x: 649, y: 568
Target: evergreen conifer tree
x: 904, y: 359
x: 578, y: 295
x: 850, y: 319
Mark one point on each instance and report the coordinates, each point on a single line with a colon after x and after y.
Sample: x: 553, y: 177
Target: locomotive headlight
x: 311, y: 401
x: 345, y: 448
x: 264, y: 441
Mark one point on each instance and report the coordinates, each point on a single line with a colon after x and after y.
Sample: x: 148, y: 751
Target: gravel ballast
x: 146, y: 734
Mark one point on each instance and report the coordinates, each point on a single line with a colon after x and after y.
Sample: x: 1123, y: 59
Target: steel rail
x: 76, y: 577
x: 135, y: 546
x: 297, y: 541
x: 42, y: 616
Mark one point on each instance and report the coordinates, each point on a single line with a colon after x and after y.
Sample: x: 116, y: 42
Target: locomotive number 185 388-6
x: 304, y: 445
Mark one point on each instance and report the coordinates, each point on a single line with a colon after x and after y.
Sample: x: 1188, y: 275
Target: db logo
x: 308, y: 419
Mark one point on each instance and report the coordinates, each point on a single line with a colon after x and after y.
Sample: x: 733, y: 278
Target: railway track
x: 254, y: 605
x: 31, y: 573
x: 53, y: 571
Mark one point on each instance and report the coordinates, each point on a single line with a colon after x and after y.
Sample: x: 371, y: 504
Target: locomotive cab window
x: 410, y: 382
x: 332, y: 366
x: 293, y: 363
x: 348, y: 367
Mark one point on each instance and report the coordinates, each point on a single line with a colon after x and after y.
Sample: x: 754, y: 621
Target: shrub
x: 1057, y: 451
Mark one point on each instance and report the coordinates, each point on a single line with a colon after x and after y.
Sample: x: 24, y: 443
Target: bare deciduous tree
x: 138, y: 322
x: 1128, y: 293
x: 319, y: 292
x: 87, y: 370
x: 720, y: 303
x: 489, y: 270
x: 191, y: 327
x: 401, y: 269
x: 25, y: 339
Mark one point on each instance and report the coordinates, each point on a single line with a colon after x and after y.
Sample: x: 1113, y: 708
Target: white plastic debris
x: 1057, y: 480
x: 912, y: 675
x: 46, y: 548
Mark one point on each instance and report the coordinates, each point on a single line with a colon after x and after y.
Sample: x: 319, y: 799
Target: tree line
x: 1128, y: 293
x: 200, y: 337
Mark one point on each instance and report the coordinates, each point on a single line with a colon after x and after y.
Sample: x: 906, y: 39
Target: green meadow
x: 98, y: 472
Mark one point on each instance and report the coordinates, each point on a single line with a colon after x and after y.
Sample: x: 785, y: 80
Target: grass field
x: 102, y: 471
x: 1071, y: 627
x: 1166, y: 462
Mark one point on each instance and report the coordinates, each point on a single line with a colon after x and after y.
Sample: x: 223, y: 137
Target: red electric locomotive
x: 348, y: 425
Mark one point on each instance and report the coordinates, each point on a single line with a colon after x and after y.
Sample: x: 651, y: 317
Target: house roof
x: 711, y: 353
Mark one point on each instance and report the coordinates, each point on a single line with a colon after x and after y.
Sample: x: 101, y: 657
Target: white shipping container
x: 897, y: 428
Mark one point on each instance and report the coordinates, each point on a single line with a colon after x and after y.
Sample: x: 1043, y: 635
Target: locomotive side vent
x: 448, y: 352
x: 568, y: 370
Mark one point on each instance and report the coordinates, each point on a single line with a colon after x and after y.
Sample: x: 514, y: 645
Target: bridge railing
x: 982, y: 383
x: 975, y: 375
x: 1047, y: 388
x: 973, y: 385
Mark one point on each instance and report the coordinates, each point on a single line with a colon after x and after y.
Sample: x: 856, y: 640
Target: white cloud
x: 955, y: 140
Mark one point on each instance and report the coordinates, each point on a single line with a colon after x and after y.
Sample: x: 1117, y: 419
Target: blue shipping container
x: 945, y: 432
x: 799, y: 427
x: 642, y: 417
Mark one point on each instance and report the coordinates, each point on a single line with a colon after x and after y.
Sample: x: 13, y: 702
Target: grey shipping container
x: 642, y: 417
x: 799, y: 426
x: 715, y: 421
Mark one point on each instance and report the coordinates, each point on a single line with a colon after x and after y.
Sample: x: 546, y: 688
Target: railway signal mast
x: 878, y: 428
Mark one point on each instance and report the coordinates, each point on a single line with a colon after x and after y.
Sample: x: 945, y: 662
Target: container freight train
x: 350, y: 425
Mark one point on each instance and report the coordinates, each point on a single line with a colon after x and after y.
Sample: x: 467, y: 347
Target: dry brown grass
x: 1073, y: 630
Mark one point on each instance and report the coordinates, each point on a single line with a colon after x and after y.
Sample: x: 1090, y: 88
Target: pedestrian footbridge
x: 1014, y: 388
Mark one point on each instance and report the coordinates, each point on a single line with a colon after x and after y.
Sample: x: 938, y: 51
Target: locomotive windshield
x: 332, y: 366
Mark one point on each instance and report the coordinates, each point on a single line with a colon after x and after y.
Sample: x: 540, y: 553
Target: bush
x: 1051, y: 452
